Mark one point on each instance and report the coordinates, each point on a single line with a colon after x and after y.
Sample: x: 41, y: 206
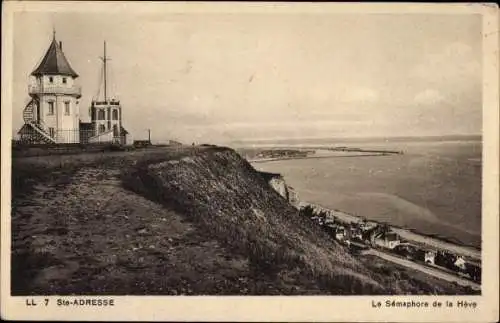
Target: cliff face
x: 225, y: 196
x: 279, y: 184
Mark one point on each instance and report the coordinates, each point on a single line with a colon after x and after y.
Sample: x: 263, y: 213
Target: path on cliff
x: 425, y: 269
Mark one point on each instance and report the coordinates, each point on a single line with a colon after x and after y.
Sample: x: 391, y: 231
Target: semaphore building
x: 52, y: 115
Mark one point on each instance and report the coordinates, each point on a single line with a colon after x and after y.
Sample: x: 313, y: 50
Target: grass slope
x: 173, y: 221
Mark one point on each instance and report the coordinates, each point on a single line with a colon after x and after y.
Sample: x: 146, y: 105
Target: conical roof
x: 54, y: 62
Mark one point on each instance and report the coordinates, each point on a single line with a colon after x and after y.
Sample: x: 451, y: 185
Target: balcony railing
x: 36, y: 89
x: 109, y: 102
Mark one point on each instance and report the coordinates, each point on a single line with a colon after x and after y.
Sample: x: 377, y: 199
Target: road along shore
x: 417, y: 238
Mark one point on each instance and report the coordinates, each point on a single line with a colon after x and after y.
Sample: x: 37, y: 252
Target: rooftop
x: 54, y: 62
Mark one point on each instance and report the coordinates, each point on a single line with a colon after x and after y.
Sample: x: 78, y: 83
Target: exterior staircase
x: 103, y: 137
x: 39, y: 132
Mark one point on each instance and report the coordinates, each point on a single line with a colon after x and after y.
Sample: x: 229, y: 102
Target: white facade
x: 52, y: 116
x: 460, y: 262
x: 58, y: 106
x: 106, y: 117
x: 430, y: 257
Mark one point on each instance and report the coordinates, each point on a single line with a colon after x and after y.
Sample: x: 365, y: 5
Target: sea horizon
x: 434, y: 188
x: 362, y: 139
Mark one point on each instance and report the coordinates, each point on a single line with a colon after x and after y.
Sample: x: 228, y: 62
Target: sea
x: 433, y: 188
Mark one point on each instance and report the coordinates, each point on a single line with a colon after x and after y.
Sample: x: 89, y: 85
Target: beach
x: 434, y: 188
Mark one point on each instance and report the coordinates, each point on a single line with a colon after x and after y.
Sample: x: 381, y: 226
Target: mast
x: 104, y: 60
x: 105, y: 74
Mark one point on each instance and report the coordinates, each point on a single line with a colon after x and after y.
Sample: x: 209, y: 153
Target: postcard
x: 253, y: 161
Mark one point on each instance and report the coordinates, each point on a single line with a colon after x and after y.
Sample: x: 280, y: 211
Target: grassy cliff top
x: 165, y: 221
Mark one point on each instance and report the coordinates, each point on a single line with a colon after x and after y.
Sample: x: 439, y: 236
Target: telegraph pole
x: 149, y: 136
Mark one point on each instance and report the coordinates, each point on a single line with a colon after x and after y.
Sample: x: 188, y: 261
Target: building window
x: 115, y: 130
x: 66, y: 108
x: 101, y: 128
x: 64, y: 80
x: 101, y: 115
x: 115, y: 114
x: 52, y: 132
x: 51, y: 107
x: 109, y: 125
x: 51, y: 79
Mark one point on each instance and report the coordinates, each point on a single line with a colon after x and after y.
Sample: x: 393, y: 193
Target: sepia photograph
x: 267, y: 152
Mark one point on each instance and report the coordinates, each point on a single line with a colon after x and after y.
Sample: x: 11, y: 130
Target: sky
x: 223, y: 77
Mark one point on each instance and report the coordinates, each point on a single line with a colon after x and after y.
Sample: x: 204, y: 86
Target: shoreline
x: 411, y: 235
x: 432, y: 240
x: 361, y: 154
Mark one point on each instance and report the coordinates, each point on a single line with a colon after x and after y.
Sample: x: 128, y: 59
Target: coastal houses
x: 430, y: 257
x: 340, y: 233
x: 406, y: 250
x: 473, y: 270
x: 386, y: 240
x: 52, y: 116
x: 460, y: 263
x: 361, y: 235
x: 367, y: 225
x: 356, y: 233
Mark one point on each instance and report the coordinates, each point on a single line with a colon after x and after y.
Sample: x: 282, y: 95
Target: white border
x: 320, y: 308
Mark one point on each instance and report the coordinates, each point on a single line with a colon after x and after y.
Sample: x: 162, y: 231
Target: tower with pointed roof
x: 52, y: 115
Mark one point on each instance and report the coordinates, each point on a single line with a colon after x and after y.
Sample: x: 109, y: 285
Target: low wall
x: 20, y: 150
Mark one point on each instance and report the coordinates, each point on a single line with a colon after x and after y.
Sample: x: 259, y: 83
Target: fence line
x: 71, y: 136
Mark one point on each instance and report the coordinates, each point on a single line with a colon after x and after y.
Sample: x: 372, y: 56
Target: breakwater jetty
x: 277, y: 154
x: 375, y: 151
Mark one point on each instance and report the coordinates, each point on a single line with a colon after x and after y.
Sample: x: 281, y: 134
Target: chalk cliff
x: 279, y: 184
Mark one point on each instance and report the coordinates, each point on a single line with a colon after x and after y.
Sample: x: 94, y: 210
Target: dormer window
x: 64, y: 80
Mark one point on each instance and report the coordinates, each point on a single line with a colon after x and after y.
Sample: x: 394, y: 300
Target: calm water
x: 434, y: 188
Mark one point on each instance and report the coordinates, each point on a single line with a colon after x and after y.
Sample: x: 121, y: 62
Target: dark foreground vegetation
x: 197, y: 220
